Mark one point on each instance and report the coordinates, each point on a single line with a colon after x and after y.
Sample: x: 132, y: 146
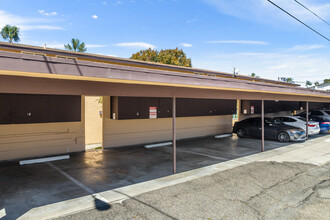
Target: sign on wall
x: 152, y: 112
x: 252, y: 109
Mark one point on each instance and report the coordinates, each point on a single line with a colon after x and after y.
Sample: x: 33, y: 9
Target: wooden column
x: 307, y: 119
x: 262, y: 125
x: 174, y: 132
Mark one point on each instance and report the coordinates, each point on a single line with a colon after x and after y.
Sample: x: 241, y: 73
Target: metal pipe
x: 307, y: 119
x: 262, y: 125
x: 174, y: 133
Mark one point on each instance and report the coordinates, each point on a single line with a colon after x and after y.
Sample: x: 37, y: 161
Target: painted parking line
x: 2, y: 213
x: 75, y: 181
x: 201, y: 154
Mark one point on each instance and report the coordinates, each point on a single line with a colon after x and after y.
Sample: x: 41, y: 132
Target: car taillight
x: 326, y: 123
x: 313, y: 126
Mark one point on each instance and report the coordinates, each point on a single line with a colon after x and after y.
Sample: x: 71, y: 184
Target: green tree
x: 254, y: 75
x: 146, y: 55
x: 170, y: 56
x: 316, y: 83
x: 326, y: 81
x: 10, y: 33
x: 289, y: 80
x: 308, y: 83
x: 76, y: 46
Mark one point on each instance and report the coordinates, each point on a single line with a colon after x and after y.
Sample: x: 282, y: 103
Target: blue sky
x: 251, y: 35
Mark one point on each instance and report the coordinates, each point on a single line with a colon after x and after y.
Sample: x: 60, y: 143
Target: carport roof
x: 30, y: 61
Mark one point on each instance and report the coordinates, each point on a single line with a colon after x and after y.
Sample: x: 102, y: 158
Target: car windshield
x: 303, y: 119
x: 276, y: 121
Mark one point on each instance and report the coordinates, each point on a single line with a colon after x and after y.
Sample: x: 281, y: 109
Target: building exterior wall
x: 93, y: 120
x: 19, y: 141
x: 140, y: 131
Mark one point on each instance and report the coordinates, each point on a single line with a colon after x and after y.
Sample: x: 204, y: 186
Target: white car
x: 300, y: 122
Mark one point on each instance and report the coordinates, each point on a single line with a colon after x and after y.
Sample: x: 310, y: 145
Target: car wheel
x: 283, y: 137
x: 241, y: 133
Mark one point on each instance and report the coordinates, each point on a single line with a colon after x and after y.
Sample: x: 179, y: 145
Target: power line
x: 299, y: 20
x: 311, y: 12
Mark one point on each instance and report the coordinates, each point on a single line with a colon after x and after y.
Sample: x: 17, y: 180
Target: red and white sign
x: 252, y: 109
x: 152, y: 112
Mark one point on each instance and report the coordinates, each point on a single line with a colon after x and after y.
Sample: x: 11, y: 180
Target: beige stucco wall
x: 19, y: 141
x: 140, y: 131
x: 93, y: 120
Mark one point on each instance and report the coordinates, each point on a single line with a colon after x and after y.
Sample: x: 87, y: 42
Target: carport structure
x: 36, y: 70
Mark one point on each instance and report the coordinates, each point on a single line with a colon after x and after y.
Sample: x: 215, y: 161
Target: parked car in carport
x: 274, y: 129
x: 321, y: 116
x: 300, y: 122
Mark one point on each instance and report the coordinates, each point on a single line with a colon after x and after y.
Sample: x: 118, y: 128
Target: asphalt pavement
x: 258, y: 190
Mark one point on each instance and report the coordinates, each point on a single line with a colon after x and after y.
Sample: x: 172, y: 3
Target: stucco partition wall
x: 140, y: 131
x: 18, y: 141
x: 93, y: 120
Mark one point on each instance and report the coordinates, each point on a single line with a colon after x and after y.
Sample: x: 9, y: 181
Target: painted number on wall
x: 152, y: 112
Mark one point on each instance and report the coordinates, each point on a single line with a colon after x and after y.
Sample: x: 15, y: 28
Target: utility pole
x: 234, y: 72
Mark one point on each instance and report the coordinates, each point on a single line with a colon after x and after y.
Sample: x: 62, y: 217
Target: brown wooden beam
x: 174, y: 133
x: 262, y: 125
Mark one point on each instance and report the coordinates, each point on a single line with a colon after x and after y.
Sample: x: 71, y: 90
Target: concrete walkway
x: 315, y: 151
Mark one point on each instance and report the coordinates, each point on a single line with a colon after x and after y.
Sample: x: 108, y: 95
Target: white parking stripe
x: 87, y: 189
x: 201, y: 154
x: 42, y: 160
x: 2, y: 213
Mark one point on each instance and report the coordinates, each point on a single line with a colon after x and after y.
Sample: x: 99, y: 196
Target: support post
x: 307, y: 119
x: 262, y: 125
x: 174, y: 133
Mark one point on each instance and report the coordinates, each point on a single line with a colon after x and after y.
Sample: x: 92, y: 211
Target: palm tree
x: 308, y: 83
x: 75, y: 45
x: 10, y: 33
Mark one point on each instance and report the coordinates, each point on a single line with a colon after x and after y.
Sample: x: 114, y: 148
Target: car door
x: 270, y: 128
x: 254, y: 127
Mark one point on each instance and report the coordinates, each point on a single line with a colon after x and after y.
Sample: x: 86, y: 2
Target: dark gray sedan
x: 274, y: 129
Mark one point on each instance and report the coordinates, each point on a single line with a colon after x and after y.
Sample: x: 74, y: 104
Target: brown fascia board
x: 122, y: 61
x: 77, y: 68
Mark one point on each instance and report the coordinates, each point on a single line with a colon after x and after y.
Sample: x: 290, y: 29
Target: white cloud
x: 95, y: 45
x: 263, y: 11
x: 26, y: 23
x: 95, y: 16
x: 306, y: 47
x: 39, y: 27
x: 54, y: 45
x: 279, y: 67
x: 238, y: 42
x: 43, y: 12
x: 281, y: 63
x: 186, y: 45
x: 136, y: 45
